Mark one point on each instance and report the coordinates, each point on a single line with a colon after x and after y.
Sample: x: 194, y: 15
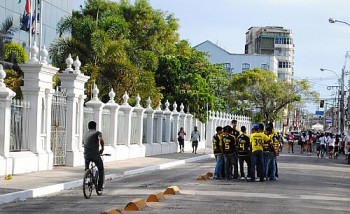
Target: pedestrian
x: 302, y: 142
x: 336, y: 146
x: 195, y: 138
x: 331, y: 144
x: 218, y: 152
x: 269, y: 155
x: 181, y: 138
x: 257, y: 159
x: 244, y: 149
x: 291, y: 142
x: 309, y: 142
x: 322, y: 149
x: 229, y: 149
x: 235, y: 133
x: 92, y: 141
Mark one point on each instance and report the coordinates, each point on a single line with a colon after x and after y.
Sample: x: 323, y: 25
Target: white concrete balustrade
x: 129, y: 131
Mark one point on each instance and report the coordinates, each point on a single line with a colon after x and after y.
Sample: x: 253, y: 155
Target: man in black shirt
x: 244, y: 149
x: 229, y: 147
x: 92, y: 140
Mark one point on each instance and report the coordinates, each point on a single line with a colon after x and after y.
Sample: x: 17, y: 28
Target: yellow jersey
x: 257, y: 140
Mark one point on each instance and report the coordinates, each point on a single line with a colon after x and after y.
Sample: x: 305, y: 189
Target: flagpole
x: 41, y: 26
x: 30, y: 28
x: 36, y: 20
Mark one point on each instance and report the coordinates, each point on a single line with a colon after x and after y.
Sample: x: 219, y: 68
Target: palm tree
x: 6, y: 33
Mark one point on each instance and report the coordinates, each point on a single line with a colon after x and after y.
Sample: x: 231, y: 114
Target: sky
x: 318, y: 43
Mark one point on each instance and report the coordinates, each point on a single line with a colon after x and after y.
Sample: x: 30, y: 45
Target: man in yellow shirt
x: 257, y: 139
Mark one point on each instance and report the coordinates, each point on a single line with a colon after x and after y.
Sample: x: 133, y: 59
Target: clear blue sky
x: 318, y: 44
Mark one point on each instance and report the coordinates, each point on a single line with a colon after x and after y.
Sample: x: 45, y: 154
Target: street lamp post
x: 333, y: 20
x: 341, y: 105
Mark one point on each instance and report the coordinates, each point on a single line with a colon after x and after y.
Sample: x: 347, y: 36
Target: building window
x: 265, y: 66
x: 284, y: 65
x: 284, y: 41
x: 245, y: 66
x: 283, y: 76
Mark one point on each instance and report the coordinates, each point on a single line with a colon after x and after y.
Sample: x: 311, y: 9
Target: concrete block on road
x: 155, y: 197
x: 172, y: 190
x: 136, y: 204
x: 112, y: 211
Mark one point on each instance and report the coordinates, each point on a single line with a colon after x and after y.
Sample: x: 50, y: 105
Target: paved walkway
x: 37, y: 184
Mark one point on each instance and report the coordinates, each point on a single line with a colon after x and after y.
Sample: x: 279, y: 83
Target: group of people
x: 259, y: 151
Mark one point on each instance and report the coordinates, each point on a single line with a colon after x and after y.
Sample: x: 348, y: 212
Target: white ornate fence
x: 129, y: 131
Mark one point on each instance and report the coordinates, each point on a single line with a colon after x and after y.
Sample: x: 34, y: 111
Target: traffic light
x: 321, y: 103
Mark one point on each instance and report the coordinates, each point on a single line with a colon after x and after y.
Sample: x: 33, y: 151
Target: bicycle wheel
x: 96, y: 186
x: 87, y: 184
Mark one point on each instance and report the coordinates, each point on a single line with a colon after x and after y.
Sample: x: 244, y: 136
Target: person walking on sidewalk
x: 195, y: 138
x: 92, y: 141
x: 291, y: 142
x: 181, y: 138
x: 218, y: 152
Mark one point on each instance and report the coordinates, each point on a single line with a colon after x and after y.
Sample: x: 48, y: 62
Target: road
x: 306, y: 185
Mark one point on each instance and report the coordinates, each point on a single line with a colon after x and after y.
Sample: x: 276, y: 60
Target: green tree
x: 6, y: 32
x: 117, y: 42
x: 261, y: 89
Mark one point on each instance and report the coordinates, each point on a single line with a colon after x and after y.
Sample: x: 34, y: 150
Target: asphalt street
x: 306, y: 185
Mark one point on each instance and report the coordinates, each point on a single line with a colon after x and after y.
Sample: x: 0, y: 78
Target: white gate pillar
x: 38, y: 83
x: 113, y: 122
x: 167, y: 114
x: 6, y: 96
x: 139, y: 123
x: 176, y: 121
x: 150, y: 114
x: 127, y: 109
x: 158, y: 114
x: 73, y: 81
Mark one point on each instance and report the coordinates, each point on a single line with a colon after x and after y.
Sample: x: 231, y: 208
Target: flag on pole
x: 26, y: 16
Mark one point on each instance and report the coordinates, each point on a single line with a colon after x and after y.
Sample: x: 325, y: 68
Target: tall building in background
x: 52, y: 12
x: 271, y: 40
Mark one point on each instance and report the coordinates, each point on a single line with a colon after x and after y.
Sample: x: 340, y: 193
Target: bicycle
x: 90, y: 180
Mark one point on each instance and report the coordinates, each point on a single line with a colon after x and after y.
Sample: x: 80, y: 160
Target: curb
x: 42, y: 191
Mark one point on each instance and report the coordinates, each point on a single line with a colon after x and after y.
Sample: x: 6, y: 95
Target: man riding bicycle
x: 91, y: 141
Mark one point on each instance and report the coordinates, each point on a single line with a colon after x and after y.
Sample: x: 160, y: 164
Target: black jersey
x: 229, y: 144
x: 243, y: 145
x: 217, y: 144
x: 235, y: 133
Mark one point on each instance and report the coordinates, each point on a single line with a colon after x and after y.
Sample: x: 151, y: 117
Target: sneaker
x: 243, y: 178
x: 257, y: 179
x: 100, y: 189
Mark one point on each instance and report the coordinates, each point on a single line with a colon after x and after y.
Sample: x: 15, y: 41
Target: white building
x: 276, y: 41
x: 236, y: 63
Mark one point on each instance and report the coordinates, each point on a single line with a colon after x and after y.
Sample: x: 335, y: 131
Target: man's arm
x: 102, y: 143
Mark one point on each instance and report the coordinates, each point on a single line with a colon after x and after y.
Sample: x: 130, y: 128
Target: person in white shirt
x: 331, y: 141
x: 195, y: 138
x: 322, y: 148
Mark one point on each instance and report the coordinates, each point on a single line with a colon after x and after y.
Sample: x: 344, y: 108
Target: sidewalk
x: 37, y: 184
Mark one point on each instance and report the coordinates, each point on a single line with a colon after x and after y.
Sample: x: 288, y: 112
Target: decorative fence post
x: 166, y: 148
x: 37, y: 86
x: 158, y: 115
x: 6, y: 96
x: 183, y: 121
x: 209, y: 129
x: 73, y: 82
x: 149, y: 131
x: 140, y: 150
x: 113, y: 109
x: 127, y: 109
x: 176, y: 124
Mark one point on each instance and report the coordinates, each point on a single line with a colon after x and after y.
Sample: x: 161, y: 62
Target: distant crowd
x: 234, y: 148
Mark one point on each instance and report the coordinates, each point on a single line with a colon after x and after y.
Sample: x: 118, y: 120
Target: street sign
x: 320, y: 113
